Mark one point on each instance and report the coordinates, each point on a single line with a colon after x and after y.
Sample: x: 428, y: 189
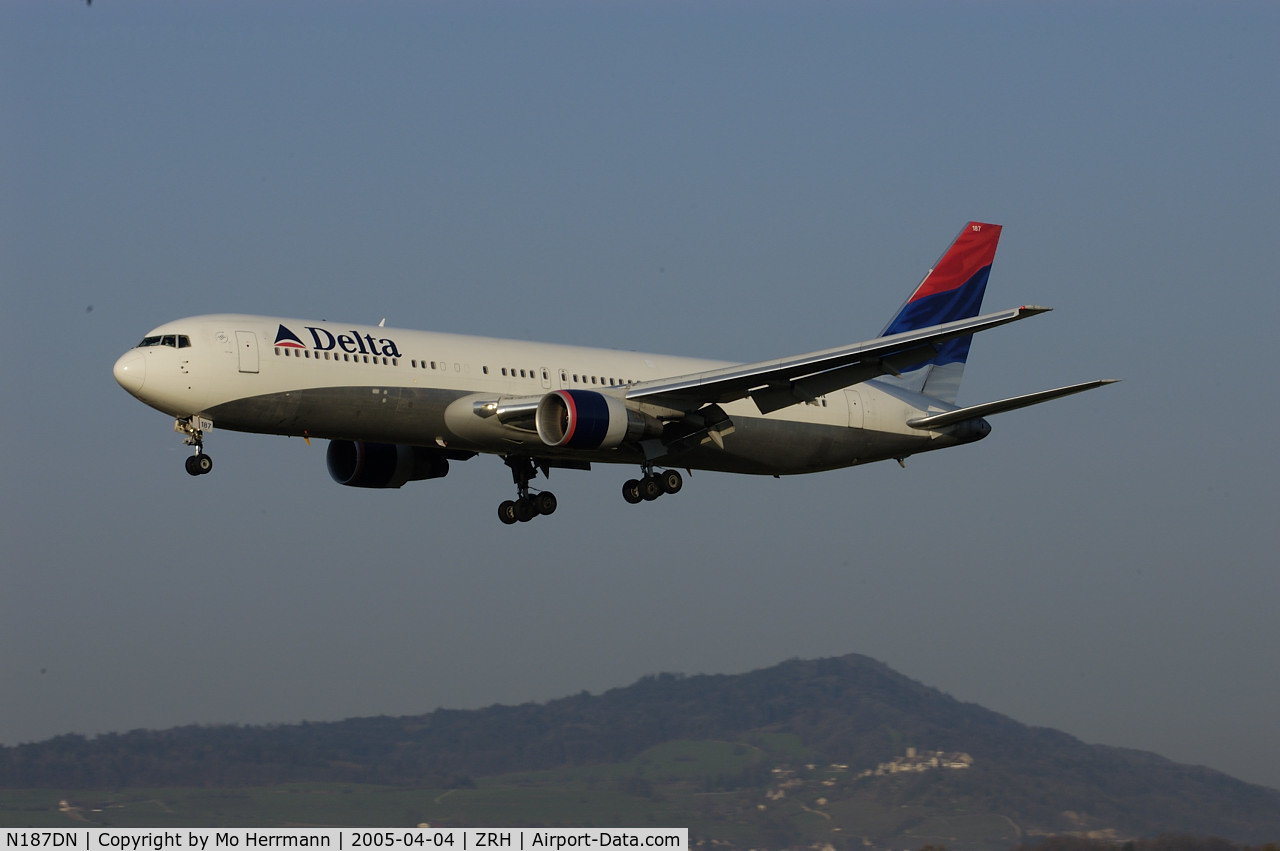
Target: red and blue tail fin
x: 952, y: 289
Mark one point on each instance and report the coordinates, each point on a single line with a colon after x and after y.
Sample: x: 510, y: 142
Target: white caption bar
x: 349, y: 839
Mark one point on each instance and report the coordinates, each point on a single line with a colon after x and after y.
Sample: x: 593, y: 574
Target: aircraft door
x: 546, y: 378
x: 247, y: 346
x: 856, y: 402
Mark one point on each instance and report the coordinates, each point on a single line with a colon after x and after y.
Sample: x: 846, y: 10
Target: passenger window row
x: 509, y: 372
x: 290, y: 352
x: 600, y: 380
x: 596, y: 379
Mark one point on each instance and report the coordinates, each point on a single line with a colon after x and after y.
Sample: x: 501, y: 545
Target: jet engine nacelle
x: 382, y: 465
x: 585, y: 419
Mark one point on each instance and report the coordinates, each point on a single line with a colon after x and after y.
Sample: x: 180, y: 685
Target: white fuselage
x: 367, y: 383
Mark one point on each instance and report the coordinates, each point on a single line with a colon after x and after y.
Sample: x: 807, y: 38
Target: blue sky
x: 729, y: 180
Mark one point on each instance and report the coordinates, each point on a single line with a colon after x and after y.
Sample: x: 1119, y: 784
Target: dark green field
x: 841, y: 751
x: 727, y: 791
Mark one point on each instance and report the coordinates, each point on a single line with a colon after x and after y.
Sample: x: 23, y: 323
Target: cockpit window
x: 173, y: 341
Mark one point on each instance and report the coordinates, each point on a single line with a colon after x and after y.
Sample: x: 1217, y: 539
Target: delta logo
x: 288, y: 339
x: 324, y: 340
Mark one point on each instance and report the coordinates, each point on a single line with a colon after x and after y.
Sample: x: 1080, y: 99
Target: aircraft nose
x: 131, y: 371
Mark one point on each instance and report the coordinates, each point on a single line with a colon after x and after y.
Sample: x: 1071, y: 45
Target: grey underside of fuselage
x: 416, y: 417
x: 408, y: 415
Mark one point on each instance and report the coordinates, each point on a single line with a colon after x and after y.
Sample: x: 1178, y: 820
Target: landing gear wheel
x: 526, y: 505
x: 650, y: 488
x: 193, y: 428
x: 631, y: 491
x: 525, y: 509
x: 671, y: 481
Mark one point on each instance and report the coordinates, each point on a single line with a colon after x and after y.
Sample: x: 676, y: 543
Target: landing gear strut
x: 193, y: 429
x: 652, y: 485
x: 525, y: 506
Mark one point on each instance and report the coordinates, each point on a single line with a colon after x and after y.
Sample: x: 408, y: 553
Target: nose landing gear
x: 193, y: 429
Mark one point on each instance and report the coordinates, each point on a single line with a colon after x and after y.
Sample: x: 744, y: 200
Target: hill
x: 828, y: 749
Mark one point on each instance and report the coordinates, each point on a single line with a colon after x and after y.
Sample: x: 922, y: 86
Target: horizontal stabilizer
x: 1012, y: 404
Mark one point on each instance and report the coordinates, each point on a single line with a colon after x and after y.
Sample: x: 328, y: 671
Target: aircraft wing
x: 777, y: 384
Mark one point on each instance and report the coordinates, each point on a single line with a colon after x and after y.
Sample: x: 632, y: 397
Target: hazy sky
x: 735, y: 180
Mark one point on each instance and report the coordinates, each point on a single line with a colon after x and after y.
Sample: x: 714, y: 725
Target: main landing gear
x: 652, y: 485
x: 525, y: 506
x: 194, y: 428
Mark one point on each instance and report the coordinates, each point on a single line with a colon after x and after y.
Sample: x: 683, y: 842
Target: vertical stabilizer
x: 952, y: 289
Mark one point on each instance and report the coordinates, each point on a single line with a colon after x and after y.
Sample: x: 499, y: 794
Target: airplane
x: 399, y: 405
